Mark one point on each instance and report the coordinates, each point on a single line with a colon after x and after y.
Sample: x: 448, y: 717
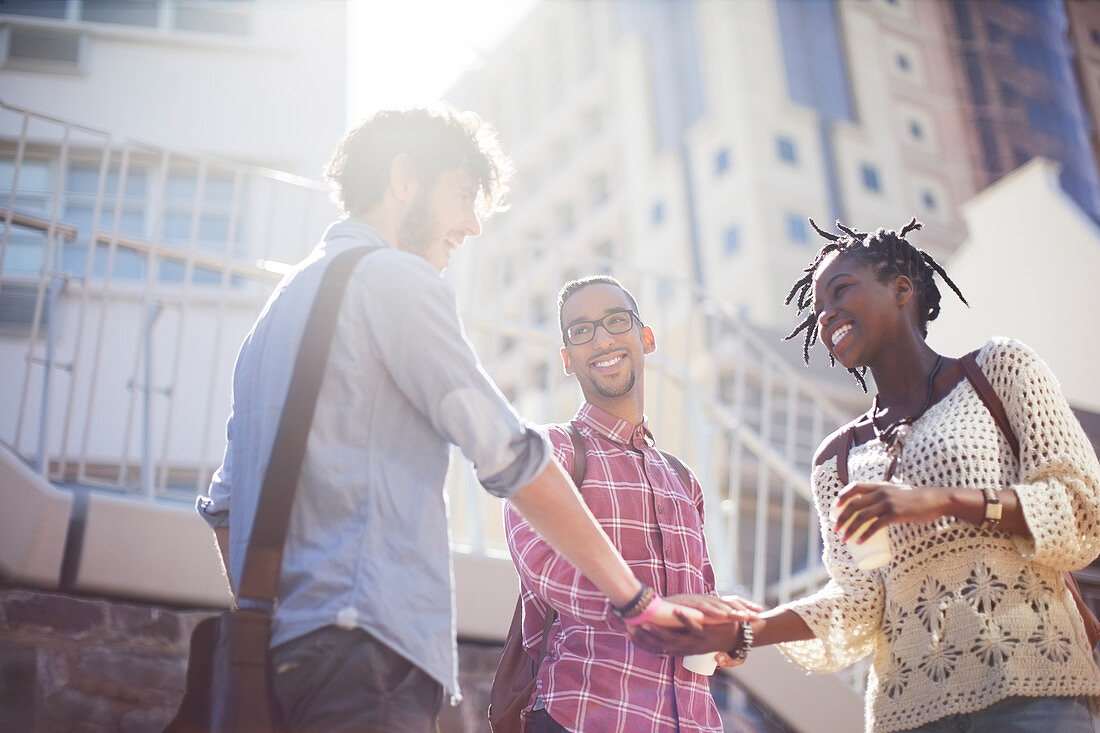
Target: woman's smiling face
x: 855, y: 311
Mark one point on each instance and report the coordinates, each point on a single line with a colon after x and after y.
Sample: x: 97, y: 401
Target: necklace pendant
x: 892, y: 466
x: 901, y: 435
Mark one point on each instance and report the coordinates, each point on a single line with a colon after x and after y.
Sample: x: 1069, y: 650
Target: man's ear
x: 404, y: 182
x: 566, y: 362
x: 649, y: 343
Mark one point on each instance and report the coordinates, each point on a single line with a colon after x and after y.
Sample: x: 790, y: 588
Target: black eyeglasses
x: 582, y: 332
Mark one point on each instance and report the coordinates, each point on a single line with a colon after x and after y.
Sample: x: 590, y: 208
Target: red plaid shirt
x: 594, y: 679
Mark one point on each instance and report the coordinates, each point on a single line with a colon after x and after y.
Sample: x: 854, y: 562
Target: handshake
x: 708, y: 631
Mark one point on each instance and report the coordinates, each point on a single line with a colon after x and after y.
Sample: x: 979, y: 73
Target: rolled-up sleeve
x: 214, y: 506
x: 424, y: 348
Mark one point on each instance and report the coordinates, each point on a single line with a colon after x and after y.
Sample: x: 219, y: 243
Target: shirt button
x: 659, y: 511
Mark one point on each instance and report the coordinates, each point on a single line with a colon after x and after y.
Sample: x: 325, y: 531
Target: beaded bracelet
x: 636, y: 605
x: 640, y: 609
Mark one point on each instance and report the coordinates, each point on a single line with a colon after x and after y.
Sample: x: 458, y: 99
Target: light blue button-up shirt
x: 369, y: 539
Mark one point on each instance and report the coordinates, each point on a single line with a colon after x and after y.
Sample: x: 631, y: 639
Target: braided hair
x: 888, y: 254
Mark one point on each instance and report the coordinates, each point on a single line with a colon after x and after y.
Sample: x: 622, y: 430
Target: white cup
x: 874, y: 552
x: 703, y: 664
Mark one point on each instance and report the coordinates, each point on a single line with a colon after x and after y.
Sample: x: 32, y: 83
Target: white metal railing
x: 146, y: 266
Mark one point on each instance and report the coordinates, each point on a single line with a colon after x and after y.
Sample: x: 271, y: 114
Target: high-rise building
x: 695, y: 138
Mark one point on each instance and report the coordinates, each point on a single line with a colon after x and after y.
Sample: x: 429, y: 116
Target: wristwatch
x: 993, y: 509
x: 744, y: 643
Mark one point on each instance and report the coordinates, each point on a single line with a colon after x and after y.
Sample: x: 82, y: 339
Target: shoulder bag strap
x: 260, y: 576
x: 978, y: 380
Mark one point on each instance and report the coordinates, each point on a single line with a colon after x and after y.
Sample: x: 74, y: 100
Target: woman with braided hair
x: 969, y: 625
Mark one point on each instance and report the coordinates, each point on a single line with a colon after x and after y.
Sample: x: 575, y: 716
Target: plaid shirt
x: 594, y: 679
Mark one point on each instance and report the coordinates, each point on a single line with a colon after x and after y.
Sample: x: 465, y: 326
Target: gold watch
x: 993, y: 509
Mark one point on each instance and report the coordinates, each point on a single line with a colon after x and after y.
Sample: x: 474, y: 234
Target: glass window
x: 1094, y: 35
x: 916, y: 131
x: 34, y: 175
x: 40, y: 8
x: 84, y: 178
x: 787, y: 151
x: 721, y: 161
x: 869, y: 174
x: 929, y: 200
x: 126, y: 12
x: 657, y: 213
x: 796, y: 229
x: 731, y: 240
x: 902, y: 62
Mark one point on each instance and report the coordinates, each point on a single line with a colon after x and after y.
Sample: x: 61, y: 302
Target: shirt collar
x: 615, y: 429
x: 358, y: 231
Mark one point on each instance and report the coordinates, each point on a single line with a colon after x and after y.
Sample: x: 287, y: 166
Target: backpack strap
x: 580, y: 453
x: 678, y: 466
x: 981, y: 385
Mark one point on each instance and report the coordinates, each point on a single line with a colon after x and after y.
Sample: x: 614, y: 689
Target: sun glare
x: 411, y: 51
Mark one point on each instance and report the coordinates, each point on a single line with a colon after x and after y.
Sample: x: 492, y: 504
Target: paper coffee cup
x: 703, y: 664
x: 874, y: 552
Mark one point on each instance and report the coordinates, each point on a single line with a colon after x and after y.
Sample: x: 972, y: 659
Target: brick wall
x: 73, y: 664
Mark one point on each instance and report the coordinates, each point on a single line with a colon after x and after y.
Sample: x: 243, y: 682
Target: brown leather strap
x: 263, y: 559
x: 847, y: 438
x: 580, y: 454
x: 981, y: 385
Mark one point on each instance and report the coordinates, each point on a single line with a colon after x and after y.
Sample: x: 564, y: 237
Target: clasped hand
x: 871, y: 505
x: 701, y: 624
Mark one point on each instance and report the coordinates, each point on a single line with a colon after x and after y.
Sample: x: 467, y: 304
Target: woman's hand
x: 718, y: 631
x: 871, y: 505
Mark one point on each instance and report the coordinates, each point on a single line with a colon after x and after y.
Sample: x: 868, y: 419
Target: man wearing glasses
x: 593, y: 678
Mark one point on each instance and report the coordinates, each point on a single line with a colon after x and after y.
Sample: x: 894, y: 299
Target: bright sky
x: 406, y: 52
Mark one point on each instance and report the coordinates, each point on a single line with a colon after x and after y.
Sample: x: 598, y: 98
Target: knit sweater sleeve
x: 845, y: 615
x: 1059, y: 479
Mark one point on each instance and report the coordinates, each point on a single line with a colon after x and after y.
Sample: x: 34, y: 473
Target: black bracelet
x: 636, y: 605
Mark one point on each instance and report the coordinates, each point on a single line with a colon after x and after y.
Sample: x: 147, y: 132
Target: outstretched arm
x: 554, y: 509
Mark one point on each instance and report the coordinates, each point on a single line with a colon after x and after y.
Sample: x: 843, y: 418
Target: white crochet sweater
x: 961, y: 617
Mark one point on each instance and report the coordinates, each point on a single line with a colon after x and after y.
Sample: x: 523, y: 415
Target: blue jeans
x: 336, y: 680
x: 1020, y: 715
